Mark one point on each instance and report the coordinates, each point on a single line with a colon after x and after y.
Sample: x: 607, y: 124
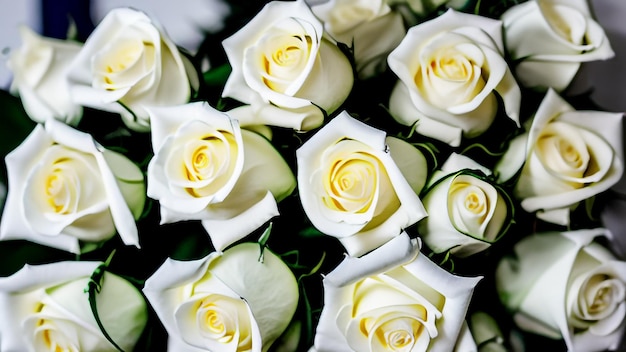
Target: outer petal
x: 259, y: 113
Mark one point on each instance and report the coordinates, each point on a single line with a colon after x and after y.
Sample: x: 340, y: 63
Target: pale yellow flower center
x: 223, y: 319
x: 448, y: 76
x: 284, y: 58
x: 351, y: 177
x: 49, y: 337
x: 209, y: 160
x: 474, y: 203
x: 60, y: 187
x: 123, y: 64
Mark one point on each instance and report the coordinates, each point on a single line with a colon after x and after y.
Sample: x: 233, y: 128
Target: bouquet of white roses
x: 332, y: 175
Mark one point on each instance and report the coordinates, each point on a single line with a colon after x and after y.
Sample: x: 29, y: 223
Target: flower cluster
x: 334, y: 175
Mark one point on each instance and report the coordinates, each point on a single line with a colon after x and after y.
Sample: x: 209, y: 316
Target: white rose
x: 450, y: 69
x: 586, y: 304
x: 565, y: 157
x: 46, y: 308
x: 127, y: 64
x: 205, y: 167
x: 39, y: 70
x: 392, y: 299
x: 236, y: 300
x: 359, y: 185
x: 371, y: 28
x: 467, y: 212
x: 65, y: 188
x: 286, y: 69
x: 549, y: 39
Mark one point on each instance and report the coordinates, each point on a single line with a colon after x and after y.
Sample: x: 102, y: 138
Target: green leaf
x: 310, y: 232
x: 217, y: 76
x: 16, y: 124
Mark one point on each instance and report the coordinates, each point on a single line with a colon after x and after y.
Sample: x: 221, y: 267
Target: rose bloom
x: 586, y: 304
x: 467, y: 212
x: 205, y: 167
x: 286, y: 69
x: 238, y: 300
x: 45, y: 308
x: 550, y: 39
x: 370, y: 27
x: 64, y: 188
x: 359, y: 185
x: 565, y: 157
x: 450, y: 69
x: 392, y: 299
x: 39, y: 70
x: 128, y: 63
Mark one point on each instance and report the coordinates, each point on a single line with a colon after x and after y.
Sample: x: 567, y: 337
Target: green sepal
x: 93, y: 288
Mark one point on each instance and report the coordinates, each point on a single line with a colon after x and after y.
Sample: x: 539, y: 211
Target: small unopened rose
x: 550, y: 39
x: 392, y: 299
x: 359, y: 185
x: 46, y: 308
x: 127, y: 64
x: 371, y: 28
x: 205, y: 167
x: 64, y: 188
x: 565, y: 157
x: 39, y: 70
x: 467, y: 211
x: 286, y: 69
x: 450, y: 70
x: 565, y: 285
x: 238, y: 300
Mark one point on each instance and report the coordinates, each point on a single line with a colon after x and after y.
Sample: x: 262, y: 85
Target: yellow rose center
x: 400, y: 335
x: 450, y: 75
x: 49, y: 335
x: 474, y: 203
x: 601, y: 300
x: 570, y: 154
x: 454, y: 68
x: 563, y: 151
x: 60, y: 187
x: 128, y: 56
x: 284, y: 58
x: 223, y: 319
x: 209, y: 161
x: 351, y: 177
